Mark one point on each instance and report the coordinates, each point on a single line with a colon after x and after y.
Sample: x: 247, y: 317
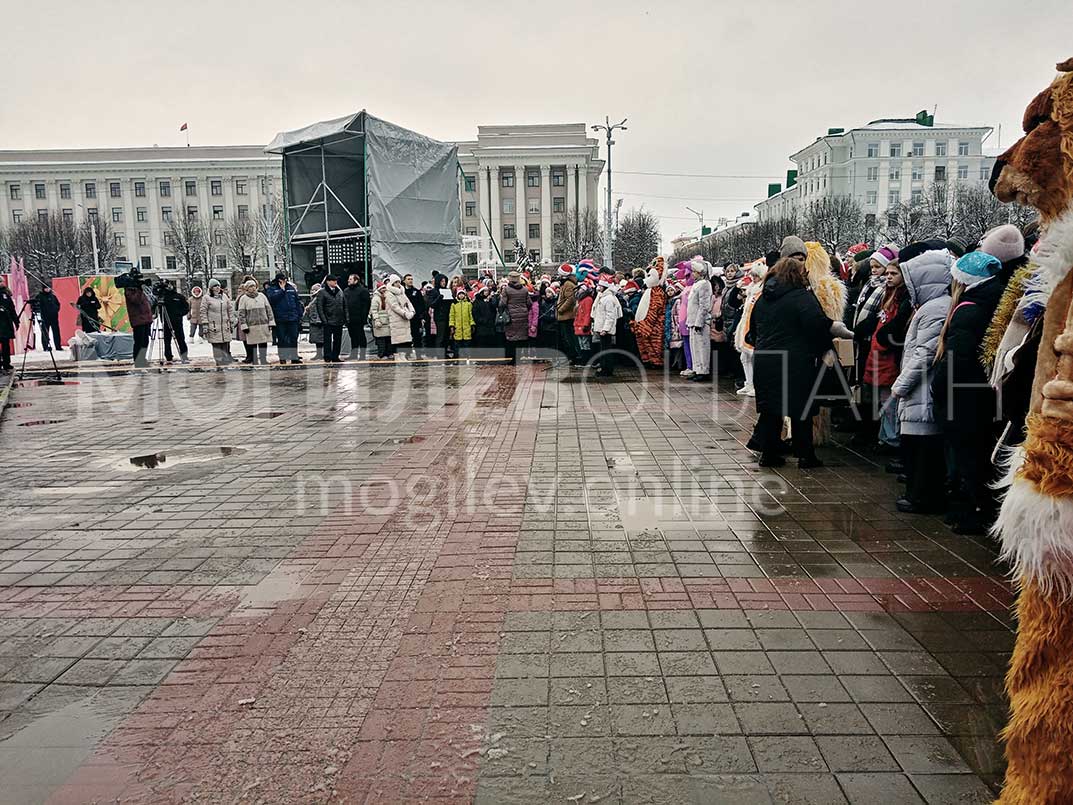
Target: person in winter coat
x: 194, y: 303
x: 89, y: 311
x: 583, y: 323
x: 381, y: 322
x: 417, y: 300
x: 685, y: 277
x: 175, y: 309
x: 439, y: 307
x: 316, y: 324
x: 47, y: 306
x: 218, y: 322
x: 965, y: 404
x: 885, y: 351
x: 789, y: 332
x: 516, y: 300
x: 742, y: 343
x: 547, y: 323
x: 400, y: 312
x: 566, y: 310
x: 606, y: 311
x: 484, y: 319
x: 460, y: 323
x: 698, y: 318
x: 255, y: 322
x: 358, y: 302
x: 139, y: 312
x: 649, y: 319
x: 927, y: 283
x: 332, y: 311
x: 287, y: 311
x: 9, y: 325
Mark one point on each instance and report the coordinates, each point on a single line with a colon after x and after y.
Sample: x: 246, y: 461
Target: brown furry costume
x: 1036, y: 522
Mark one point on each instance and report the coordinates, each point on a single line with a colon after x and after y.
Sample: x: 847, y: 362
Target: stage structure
x: 365, y: 195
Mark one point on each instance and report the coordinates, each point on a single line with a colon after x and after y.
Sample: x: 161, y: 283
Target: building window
x: 871, y: 196
x: 471, y: 230
x: 218, y: 238
x: 143, y: 238
x: 471, y: 259
x: 534, y: 255
x: 471, y: 209
x: 508, y: 256
x: 985, y: 173
x: 216, y: 187
x: 114, y: 190
x: 42, y: 215
x: 65, y: 191
x: 168, y: 239
x: 894, y: 197
x: 471, y: 184
x: 940, y: 173
x: 240, y: 187
x: 169, y: 261
x: 558, y: 180
x: 139, y: 189
x: 221, y: 262
x: 190, y: 186
x: 558, y: 230
x: 243, y: 212
x: 39, y: 191
x: 916, y: 196
x: 165, y: 214
x: 895, y: 150
x: 191, y: 211
x: 217, y: 213
x: 873, y: 174
x: 507, y: 180
x: 147, y: 262
x: 165, y: 189
x: 141, y: 215
x: 508, y: 205
x: 246, y: 261
x: 264, y: 185
x: 895, y: 174
x: 918, y: 173
x: 16, y: 216
x: 91, y: 190
x: 963, y: 171
x: 963, y: 149
x: 940, y: 149
x: 532, y: 180
x: 117, y: 215
x: 119, y: 239
x: 534, y: 231
x: 873, y: 150
x: 918, y: 149
x: 91, y: 214
x: 508, y: 232
x: 14, y: 192
x: 68, y: 216
x: 558, y: 204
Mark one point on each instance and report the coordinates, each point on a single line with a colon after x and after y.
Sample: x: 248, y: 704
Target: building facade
x: 882, y: 165
x: 526, y: 183
x: 138, y: 191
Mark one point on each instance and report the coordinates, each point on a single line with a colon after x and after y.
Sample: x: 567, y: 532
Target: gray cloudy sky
x: 709, y: 87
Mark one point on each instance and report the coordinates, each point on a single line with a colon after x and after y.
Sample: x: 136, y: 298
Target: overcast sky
x: 708, y: 87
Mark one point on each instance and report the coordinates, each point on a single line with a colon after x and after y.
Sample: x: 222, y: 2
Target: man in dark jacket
x: 287, y: 310
x: 420, y: 310
x: 9, y: 325
x: 358, y: 302
x: 47, y: 306
x: 139, y: 312
x: 331, y: 307
x: 175, y: 307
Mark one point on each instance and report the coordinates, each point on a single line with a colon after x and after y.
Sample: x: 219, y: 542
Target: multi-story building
x: 526, y: 183
x: 139, y: 191
x: 881, y: 165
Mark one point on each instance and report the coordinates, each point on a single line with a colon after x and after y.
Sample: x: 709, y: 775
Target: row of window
x: 558, y: 204
x: 534, y: 231
x: 558, y: 179
x: 917, y: 149
x: 895, y: 174
x: 115, y: 189
x: 141, y: 214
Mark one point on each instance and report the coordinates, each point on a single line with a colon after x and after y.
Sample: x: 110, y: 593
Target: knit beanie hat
x: 956, y: 247
x: 975, y: 267
x: 1004, y: 242
x: 918, y: 248
x: 860, y: 257
x: 565, y: 270
x: 214, y: 284
x: 792, y: 244
x: 885, y: 255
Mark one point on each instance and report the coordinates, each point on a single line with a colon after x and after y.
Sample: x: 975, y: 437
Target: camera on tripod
x: 132, y: 279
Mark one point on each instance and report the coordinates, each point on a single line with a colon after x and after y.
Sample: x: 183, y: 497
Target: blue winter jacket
x: 286, y: 304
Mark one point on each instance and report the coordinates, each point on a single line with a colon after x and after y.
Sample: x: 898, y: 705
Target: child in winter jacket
x: 583, y: 322
x: 461, y: 323
x: 606, y: 312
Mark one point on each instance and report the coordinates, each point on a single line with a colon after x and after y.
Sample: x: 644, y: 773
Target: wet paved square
x: 463, y: 583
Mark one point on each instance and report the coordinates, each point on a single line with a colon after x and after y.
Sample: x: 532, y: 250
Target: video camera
x: 132, y: 279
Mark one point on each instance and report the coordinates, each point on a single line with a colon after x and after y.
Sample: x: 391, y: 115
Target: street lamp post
x: 608, y: 129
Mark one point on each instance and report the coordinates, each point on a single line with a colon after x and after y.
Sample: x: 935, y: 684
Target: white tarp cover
x: 309, y: 134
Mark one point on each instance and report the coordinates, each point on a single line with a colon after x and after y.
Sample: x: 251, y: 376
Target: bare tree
x: 836, y: 222
x: 941, y: 203
x: 49, y: 245
x: 580, y: 238
x: 637, y: 239
x: 980, y: 211
x: 185, y: 238
x: 905, y: 223
x: 272, y: 234
x: 242, y: 244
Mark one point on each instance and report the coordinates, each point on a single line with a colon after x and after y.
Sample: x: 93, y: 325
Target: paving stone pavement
x: 463, y: 583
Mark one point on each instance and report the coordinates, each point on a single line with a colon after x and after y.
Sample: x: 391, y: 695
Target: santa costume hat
x: 975, y: 267
x: 565, y: 270
x: 885, y: 255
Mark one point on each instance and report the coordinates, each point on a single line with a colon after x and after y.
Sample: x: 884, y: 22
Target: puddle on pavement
x: 20, y: 405
x: 173, y: 458
x: 33, y: 423
x: 29, y: 384
x: 282, y: 584
x: 266, y: 414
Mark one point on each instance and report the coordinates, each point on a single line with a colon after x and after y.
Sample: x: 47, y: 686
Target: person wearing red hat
x: 566, y: 310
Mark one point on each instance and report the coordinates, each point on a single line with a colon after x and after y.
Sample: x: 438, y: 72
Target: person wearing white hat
x: 698, y: 319
x: 606, y: 311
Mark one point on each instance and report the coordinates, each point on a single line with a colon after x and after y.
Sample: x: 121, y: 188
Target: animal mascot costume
x: 1036, y: 521
x: 830, y: 292
x: 648, y: 320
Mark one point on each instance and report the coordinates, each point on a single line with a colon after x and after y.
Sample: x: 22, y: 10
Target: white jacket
x: 606, y: 311
x: 699, y: 306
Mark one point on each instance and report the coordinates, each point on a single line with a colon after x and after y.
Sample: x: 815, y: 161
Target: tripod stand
x: 52, y: 381
x: 163, y: 331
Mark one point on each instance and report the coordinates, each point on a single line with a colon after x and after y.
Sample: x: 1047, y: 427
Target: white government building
x: 881, y: 164
x: 519, y: 182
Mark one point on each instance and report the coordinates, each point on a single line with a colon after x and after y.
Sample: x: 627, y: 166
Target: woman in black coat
x: 9, y: 325
x: 89, y: 310
x: 441, y: 312
x: 484, y: 319
x: 789, y: 333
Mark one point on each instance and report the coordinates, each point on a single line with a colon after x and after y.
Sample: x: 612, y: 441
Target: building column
x: 545, y: 213
x: 571, y: 204
x: 521, y: 208
x: 583, y: 189
x: 492, y: 184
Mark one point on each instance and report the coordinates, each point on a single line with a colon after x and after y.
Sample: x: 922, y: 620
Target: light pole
x: 700, y: 217
x: 93, y: 239
x: 609, y: 130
